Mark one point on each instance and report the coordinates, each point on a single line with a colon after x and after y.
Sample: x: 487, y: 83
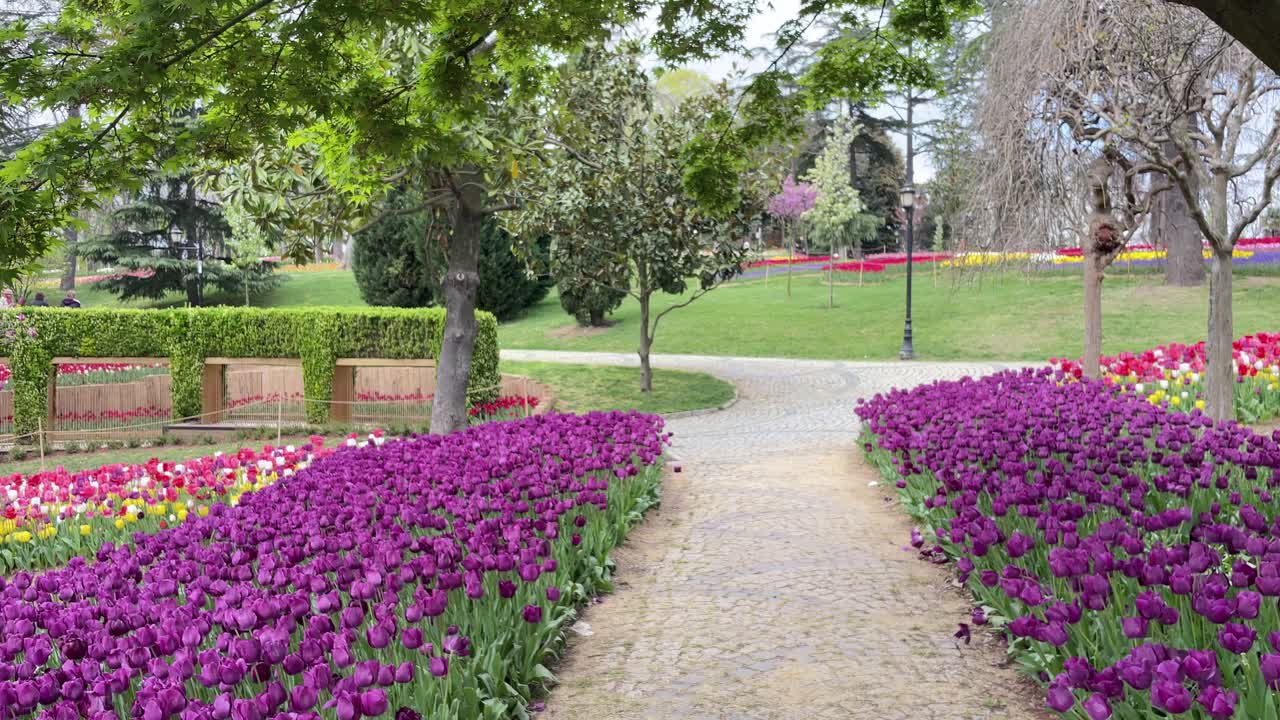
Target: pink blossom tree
x: 789, y: 205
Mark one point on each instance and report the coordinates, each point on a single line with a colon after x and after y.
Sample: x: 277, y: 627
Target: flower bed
x: 430, y: 575
x: 796, y: 260
x: 1129, y: 554
x: 52, y: 516
x: 1172, y: 375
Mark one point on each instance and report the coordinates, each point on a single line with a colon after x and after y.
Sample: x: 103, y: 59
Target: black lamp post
x: 908, y: 197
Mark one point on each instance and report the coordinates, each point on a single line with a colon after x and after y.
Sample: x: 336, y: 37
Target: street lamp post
x: 908, y: 198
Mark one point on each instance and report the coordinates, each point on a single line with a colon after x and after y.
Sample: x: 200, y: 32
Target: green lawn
x: 583, y: 388
x: 1007, y: 316
x: 321, y: 287
x: 1004, y: 317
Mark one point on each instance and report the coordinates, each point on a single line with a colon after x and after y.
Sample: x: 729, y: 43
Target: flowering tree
x: 789, y: 205
x: 837, y: 203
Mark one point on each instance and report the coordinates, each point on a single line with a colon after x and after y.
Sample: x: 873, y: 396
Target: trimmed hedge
x: 317, y: 336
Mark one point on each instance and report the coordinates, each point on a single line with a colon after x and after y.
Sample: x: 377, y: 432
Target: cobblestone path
x: 773, y: 582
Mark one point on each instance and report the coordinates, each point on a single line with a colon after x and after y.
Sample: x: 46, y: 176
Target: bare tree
x: 1051, y: 170
x: 1158, y: 92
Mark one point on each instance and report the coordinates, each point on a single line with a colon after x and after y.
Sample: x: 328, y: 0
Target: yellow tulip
x: 203, y: 511
x: 119, y: 523
x: 1175, y: 400
x: 1199, y: 404
x: 22, y: 536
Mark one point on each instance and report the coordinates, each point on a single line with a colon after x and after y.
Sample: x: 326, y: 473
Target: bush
x: 506, y: 287
x: 397, y: 266
x: 589, y: 284
x: 318, y: 336
x: 390, y: 261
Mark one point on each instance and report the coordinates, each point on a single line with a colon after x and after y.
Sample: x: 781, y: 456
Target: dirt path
x: 773, y: 582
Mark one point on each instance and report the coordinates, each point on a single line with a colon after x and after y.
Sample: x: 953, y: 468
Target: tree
x: 837, y: 204
x: 789, y: 205
x: 1255, y: 23
x: 628, y: 199
x: 1173, y: 228
x: 1166, y: 96
x: 169, y: 237
x: 382, y: 91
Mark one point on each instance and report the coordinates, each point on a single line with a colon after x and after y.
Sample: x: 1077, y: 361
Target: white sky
x: 768, y: 19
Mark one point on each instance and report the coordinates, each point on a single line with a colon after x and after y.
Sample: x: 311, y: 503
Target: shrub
x: 506, y: 287
x: 318, y: 336
x: 397, y: 265
x: 390, y: 261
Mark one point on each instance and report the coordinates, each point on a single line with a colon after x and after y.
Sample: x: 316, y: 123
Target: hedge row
x: 317, y: 336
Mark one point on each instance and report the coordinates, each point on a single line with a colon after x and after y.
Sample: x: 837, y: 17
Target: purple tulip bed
x: 431, y: 577
x: 1130, y: 556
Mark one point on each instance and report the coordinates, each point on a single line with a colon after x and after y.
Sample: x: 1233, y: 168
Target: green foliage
x: 870, y: 55
x: 624, y: 217
x: 509, y: 284
x: 153, y: 262
x: 838, y: 203
x: 390, y: 260
x: 318, y: 336
x: 397, y: 264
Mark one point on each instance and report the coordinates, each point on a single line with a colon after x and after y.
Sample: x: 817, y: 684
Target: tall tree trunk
x: 1173, y: 227
x: 193, y: 292
x: 68, y: 281
x: 1092, y: 313
x: 1220, y: 375
x: 646, y: 342
x: 791, y: 251
x: 453, y: 372
x: 595, y: 317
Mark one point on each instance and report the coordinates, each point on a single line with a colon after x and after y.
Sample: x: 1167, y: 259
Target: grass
x: 135, y: 456
x: 997, y: 316
x: 992, y: 315
x: 312, y: 288
x: 583, y: 388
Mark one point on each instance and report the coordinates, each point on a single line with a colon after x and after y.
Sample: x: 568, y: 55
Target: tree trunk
x: 1173, y: 227
x: 193, y: 292
x: 453, y: 372
x: 1092, y: 314
x: 831, y: 283
x: 596, y: 317
x: 68, y: 281
x: 1220, y: 376
x: 791, y: 251
x: 69, y: 273
x: 646, y: 342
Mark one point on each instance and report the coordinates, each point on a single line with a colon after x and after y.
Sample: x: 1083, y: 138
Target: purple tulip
x: 439, y: 666
x: 1219, y: 703
x: 1134, y: 627
x: 1060, y: 698
x: 533, y: 614
x: 1169, y: 696
x: 553, y: 594
x: 1097, y: 707
x: 1237, y: 638
x: 1270, y: 665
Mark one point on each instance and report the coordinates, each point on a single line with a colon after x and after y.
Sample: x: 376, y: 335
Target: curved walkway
x: 773, y: 582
